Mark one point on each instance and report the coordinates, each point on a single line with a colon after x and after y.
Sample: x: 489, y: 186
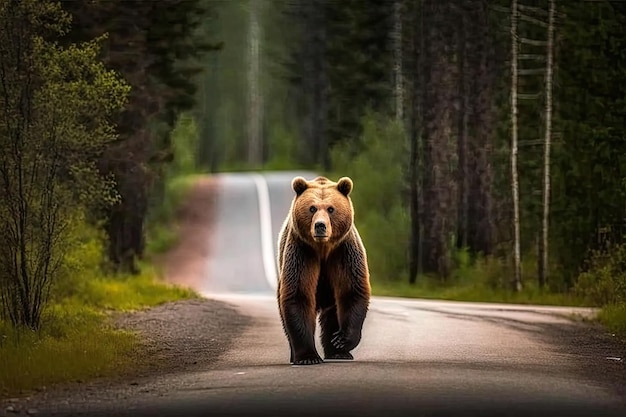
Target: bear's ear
x: 344, y: 185
x: 299, y: 184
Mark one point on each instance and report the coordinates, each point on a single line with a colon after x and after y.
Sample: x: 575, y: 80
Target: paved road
x: 417, y: 357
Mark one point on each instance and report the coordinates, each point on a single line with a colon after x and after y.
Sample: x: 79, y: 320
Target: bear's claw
x: 308, y: 361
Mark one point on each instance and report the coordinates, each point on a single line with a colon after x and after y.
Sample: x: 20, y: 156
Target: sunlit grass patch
x: 77, y: 340
x: 613, y: 316
x: 130, y: 292
x: 75, y: 344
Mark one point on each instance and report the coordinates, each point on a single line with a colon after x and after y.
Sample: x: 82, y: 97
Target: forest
x: 489, y: 134
x: 487, y: 138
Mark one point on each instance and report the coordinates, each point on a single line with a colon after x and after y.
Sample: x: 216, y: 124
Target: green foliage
x: 377, y: 169
x: 128, y: 292
x: 82, y: 280
x: 185, y: 143
x: 176, y: 181
x: 162, y: 233
x: 613, y: 316
x: 221, y: 95
x: 432, y: 288
x: 492, y: 273
x: 590, y: 164
x: 359, y: 53
x: 484, y: 279
x: 284, y: 149
x: 157, y: 48
x: 58, y: 102
x: 604, y: 281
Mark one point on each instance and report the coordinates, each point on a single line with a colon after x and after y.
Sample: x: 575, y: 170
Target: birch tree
x: 543, y: 256
x: 517, y: 273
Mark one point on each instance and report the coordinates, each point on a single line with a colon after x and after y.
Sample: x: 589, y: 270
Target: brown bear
x: 323, y: 270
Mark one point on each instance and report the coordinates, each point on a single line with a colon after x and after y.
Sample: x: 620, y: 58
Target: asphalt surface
x: 416, y: 358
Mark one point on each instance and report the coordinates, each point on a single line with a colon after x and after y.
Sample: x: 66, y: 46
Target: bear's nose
x: 320, y: 228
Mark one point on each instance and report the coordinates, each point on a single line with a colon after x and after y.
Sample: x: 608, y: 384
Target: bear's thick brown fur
x: 323, y: 270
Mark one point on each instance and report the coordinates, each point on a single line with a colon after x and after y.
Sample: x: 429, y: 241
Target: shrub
x: 378, y: 170
x: 604, y: 281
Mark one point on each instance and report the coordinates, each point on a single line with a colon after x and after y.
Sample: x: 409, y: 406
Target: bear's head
x: 322, y: 211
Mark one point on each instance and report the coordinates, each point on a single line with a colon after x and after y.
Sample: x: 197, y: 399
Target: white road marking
x: 267, y: 243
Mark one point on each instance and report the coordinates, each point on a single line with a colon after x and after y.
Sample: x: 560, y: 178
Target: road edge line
x: 267, y: 243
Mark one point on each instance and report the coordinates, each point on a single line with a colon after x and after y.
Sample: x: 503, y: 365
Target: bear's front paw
x: 344, y: 341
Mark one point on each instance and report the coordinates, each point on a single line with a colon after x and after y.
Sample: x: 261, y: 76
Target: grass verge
x: 429, y: 290
x: 78, y: 343
x: 77, y: 340
x: 613, y: 316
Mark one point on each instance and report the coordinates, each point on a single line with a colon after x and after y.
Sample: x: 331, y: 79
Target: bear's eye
x: 330, y: 209
x: 313, y: 209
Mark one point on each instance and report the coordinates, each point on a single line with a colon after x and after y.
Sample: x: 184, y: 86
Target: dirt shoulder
x: 183, y: 336
x: 186, y: 262
x: 187, y: 335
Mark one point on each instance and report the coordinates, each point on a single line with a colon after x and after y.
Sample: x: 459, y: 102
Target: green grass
x: 466, y: 292
x: 128, y: 292
x: 77, y: 344
x: 482, y: 279
x: 76, y: 340
x: 613, y: 316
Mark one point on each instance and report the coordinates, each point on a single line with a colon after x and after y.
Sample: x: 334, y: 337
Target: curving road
x: 417, y: 357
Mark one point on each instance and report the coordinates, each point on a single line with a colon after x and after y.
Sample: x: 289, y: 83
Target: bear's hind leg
x: 329, y: 325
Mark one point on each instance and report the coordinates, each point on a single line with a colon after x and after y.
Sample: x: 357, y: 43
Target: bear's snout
x: 320, y: 229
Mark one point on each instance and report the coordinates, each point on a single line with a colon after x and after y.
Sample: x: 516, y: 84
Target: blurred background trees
x: 412, y: 98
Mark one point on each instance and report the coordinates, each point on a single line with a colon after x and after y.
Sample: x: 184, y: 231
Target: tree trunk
x: 416, y: 125
x: 440, y: 182
x: 397, y: 70
x: 482, y: 122
x: 463, y: 121
x: 255, y: 106
x: 543, y: 256
x: 517, y: 273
